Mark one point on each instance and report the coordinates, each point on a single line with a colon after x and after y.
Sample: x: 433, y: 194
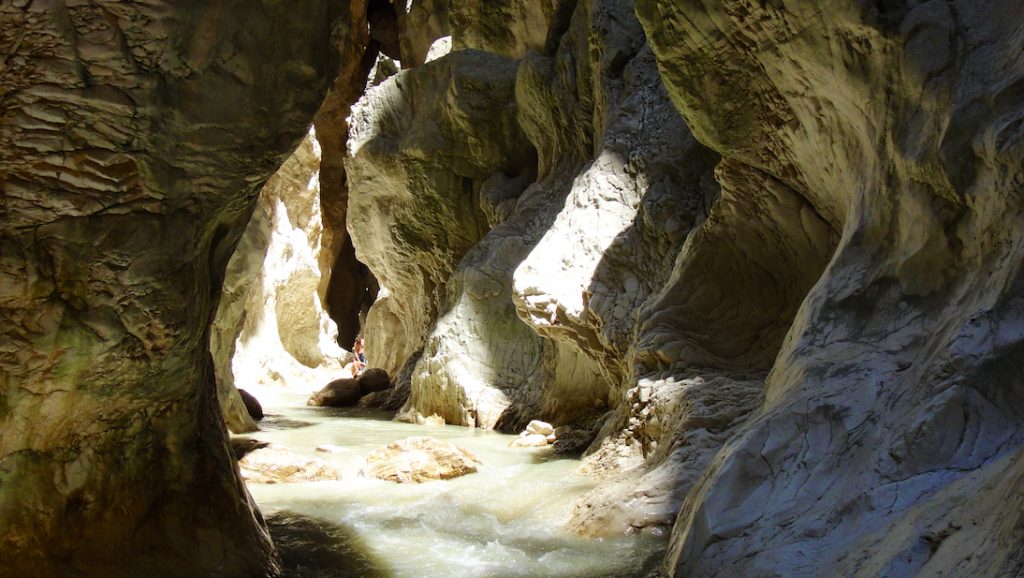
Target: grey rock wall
x: 801, y: 341
x: 133, y: 141
x: 892, y: 426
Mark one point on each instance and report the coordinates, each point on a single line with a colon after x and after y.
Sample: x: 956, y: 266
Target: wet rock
x: 252, y: 405
x: 373, y: 380
x: 570, y: 441
x: 273, y: 465
x: 539, y: 427
x: 420, y: 459
x: 338, y: 393
x: 529, y: 441
x: 433, y: 420
x: 241, y: 446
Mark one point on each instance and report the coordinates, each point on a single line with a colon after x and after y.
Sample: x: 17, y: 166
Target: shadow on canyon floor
x: 312, y: 548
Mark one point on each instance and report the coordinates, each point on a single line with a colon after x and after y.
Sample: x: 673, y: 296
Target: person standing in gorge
x: 359, y: 363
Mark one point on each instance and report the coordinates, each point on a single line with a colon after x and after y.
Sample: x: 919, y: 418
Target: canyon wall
x: 890, y: 439
x: 763, y: 257
x: 800, y: 337
x: 133, y: 142
x: 271, y: 333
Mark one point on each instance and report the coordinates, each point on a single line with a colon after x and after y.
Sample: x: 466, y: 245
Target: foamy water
x: 505, y: 520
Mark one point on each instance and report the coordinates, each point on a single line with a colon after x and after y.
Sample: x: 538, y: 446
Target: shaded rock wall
x: 271, y: 331
x: 892, y: 425
x: 134, y: 139
x: 345, y: 284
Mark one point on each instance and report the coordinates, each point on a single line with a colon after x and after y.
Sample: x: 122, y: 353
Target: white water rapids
x: 505, y: 520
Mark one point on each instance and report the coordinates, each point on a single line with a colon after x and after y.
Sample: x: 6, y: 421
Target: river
x: 505, y: 520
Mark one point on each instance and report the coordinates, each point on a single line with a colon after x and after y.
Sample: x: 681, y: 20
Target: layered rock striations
x: 890, y: 439
x: 133, y: 142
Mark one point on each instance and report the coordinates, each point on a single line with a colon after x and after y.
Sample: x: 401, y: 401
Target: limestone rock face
x: 508, y: 27
x: 624, y: 185
x: 891, y: 432
x: 420, y: 459
x: 802, y: 337
x: 271, y: 329
x: 420, y: 147
x: 133, y: 142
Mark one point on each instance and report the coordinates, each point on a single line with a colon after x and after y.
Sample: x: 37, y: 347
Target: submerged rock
x: 432, y: 420
x: 331, y: 449
x: 272, y: 465
x: 420, y: 459
x: 338, y: 393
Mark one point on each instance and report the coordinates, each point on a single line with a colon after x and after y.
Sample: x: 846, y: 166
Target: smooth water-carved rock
x: 338, y: 393
x: 274, y: 465
x: 420, y: 459
x: 421, y: 145
x: 271, y: 329
x: 135, y: 138
x: 897, y: 393
x: 374, y: 380
x: 252, y: 405
x: 507, y: 27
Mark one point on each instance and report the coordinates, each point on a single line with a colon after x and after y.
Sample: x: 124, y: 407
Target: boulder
x: 572, y: 441
x: 272, y: 465
x: 373, y: 380
x: 539, y: 427
x: 252, y: 405
x: 419, y: 459
x: 338, y: 393
x: 529, y: 441
x: 434, y: 420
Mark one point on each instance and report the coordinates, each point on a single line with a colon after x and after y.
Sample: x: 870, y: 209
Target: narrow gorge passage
x: 687, y: 288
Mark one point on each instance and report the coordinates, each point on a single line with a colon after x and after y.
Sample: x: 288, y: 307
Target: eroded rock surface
x: 802, y: 340
x: 275, y: 465
x: 133, y: 142
x: 898, y: 392
x: 420, y: 459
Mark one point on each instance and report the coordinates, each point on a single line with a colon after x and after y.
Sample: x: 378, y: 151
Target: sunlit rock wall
x: 271, y: 333
x: 890, y: 439
x: 133, y: 142
x: 833, y: 302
